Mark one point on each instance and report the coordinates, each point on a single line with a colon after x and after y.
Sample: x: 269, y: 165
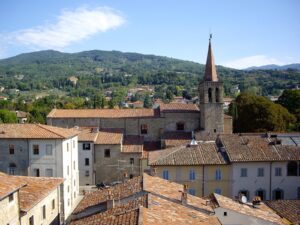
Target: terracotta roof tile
x: 260, y: 211
x: 178, y: 107
x: 103, y: 113
x: 9, y: 186
x: 173, y: 139
x: 35, y: 190
x: 288, y: 209
x: 256, y: 147
x: 132, y: 144
x: 109, y: 137
x: 87, y: 134
x: 36, y: 131
x: 201, y: 154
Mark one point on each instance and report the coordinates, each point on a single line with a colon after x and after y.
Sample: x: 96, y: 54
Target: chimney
x: 110, y: 202
x: 184, y: 195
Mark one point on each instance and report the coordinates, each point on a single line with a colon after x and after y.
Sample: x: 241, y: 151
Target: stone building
x: 207, y: 117
x: 42, y: 151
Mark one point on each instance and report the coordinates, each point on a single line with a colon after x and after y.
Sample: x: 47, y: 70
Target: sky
x: 245, y: 32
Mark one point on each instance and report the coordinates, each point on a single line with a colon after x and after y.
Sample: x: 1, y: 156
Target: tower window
x: 209, y: 95
x: 217, y: 95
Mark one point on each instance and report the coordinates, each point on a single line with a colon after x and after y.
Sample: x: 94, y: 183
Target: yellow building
x: 201, y: 166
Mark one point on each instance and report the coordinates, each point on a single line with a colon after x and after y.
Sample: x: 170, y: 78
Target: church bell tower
x: 211, y: 98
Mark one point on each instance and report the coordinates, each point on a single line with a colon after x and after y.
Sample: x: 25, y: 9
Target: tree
x: 258, y: 114
x: 147, y: 102
x: 7, y: 116
x: 290, y: 99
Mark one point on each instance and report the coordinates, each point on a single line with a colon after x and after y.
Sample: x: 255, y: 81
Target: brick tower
x: 211, y: 98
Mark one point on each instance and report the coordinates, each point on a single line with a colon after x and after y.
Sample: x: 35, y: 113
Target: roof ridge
x: 45, y: 128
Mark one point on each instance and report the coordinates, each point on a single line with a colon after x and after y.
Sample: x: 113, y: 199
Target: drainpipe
x: 270, y: 185
x: 202, y: 180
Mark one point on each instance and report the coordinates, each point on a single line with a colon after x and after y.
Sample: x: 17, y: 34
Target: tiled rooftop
x: 257, y: 147
x: 151, y: 200
x: 201, y: 154
x: 260, y: 211
x: 178, y: 107
x: 36, y: 131
x: 288, y: 209
x: 87, y: 134
x: 9, y: 186
x: 176, y: 138
x: 133, y: 144
x: 35, y: 190
x: 102, y: 113
x: 109, y: 137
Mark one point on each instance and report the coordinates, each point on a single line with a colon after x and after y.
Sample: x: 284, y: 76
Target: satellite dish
x: 244, y: 199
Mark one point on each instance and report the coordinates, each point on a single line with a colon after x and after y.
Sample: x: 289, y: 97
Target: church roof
x: 210, y: 68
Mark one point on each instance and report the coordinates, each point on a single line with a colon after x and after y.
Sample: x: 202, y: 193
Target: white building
x: 40, y: 150
x: 265, y: 165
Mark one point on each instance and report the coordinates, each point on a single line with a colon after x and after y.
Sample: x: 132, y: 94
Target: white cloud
x: 70, y: 26
x: 256, y: 60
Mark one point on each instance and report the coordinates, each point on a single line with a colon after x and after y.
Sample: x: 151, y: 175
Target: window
x: 298, y: 193
x: 166, y: 174
x: 218, y: 174
x: 44, y: 212
x: 209, y: 95
x: 278, y: 172
x: 180, y: 126
x: 218, y: 191
x: 245, y: 193
x: 86, y: 146
x: 292, y: 168
x: 68, y: 202
x: 131, y: 161
x: 87, y: 161
x: 12, y: 169
x: 36, y: 172
x: 192, y: 191
x: 48, y: 149
x: 87, y: 173
x: 217, y: 95
x: 192, y: 175
x: 73, y: 143
x: 67, y: 147
x: 225, y: 214
x: 261, y: 193
x: 107, y: 153
x: 144, y: 129
x: 49, y: 173
x: 11, y: 197
x: 11, y: 149
x: 277, y: 194
x: 74, y: 165
x: 244, y: 172
x: 31, y: 220
x: 36, y: 149
x: 260, y: 172
x: 68, y: 170
x: 68, y: 188
x: 53, y: 204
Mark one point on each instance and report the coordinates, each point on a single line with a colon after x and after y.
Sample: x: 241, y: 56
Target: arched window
x: 209, y: 95
x: 292, y: 168
x: 217, y: 95
x: 12, y: 169
x: 261, y: 193
x: 278, y: 194
x: 218, y: 174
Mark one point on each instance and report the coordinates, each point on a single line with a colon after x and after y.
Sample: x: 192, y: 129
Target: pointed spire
x: 210, y: 68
